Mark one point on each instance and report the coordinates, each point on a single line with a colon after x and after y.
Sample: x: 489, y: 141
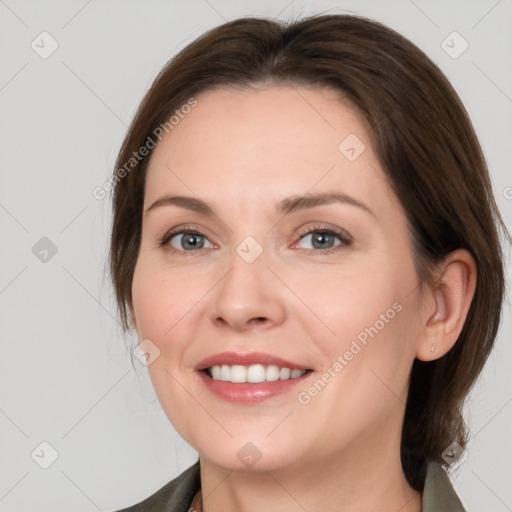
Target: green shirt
x: 177, y: 495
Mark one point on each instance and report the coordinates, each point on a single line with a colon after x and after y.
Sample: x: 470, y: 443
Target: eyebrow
x: 285, y: 206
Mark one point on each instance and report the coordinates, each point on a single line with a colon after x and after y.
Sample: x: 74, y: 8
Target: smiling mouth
x: 256, y: 373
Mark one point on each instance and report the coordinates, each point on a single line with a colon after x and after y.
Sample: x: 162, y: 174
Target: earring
x: 432, y: 349
x: 436, y: 317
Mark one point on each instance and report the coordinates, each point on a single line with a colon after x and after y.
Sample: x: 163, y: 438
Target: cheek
x: 160, y: 298
x: 350, y: 303
x: 170, y: 305
x: 372, y: 319
x: 162, y: 303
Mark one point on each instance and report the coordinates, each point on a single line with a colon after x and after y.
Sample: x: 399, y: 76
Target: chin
x: 243, y: 455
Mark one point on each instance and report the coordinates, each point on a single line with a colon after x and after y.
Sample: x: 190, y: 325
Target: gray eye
x: 320, y: 240
x: 189, y: 241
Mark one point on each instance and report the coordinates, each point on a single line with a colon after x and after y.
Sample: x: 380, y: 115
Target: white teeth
x: 216, y: 371
x: 285, y: 373
x: 225, y: 373
x: 255, y: 373
x: 272, y: 373
x: 238, y: 373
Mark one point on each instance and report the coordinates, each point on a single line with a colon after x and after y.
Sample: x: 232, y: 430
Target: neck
x: 351, y: 480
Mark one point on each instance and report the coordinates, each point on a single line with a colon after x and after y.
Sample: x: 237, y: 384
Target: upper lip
x: 248, y: 359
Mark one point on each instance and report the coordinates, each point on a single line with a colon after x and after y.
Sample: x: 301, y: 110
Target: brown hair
x: 425, y: 142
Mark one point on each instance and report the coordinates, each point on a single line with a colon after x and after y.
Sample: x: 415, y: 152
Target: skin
x: 242, y: 151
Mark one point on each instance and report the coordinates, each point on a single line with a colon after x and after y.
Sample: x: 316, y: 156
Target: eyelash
x: 344, y: 238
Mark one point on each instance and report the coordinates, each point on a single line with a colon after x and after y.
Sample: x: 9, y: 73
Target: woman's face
x: 328, y: 286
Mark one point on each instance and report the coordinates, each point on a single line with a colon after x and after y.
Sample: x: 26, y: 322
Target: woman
x: 305, y: 240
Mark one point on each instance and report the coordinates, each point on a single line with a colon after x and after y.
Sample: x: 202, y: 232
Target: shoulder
x: 439, y: 494
x: 175, y: 496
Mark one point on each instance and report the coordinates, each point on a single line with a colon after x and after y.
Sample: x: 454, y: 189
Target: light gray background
x: 65, y: 375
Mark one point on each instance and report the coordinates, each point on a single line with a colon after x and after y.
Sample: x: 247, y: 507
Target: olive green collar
x: 438, y: 494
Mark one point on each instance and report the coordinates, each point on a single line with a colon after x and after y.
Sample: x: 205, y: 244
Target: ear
x: 446, y: 312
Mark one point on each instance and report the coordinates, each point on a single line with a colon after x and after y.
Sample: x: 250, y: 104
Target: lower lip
x: 249, y: 392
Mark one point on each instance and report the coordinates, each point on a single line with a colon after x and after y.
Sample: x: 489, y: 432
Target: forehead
x: 277, y: 140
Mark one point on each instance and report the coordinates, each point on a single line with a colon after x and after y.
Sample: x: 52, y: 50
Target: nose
x: 248, y: 296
